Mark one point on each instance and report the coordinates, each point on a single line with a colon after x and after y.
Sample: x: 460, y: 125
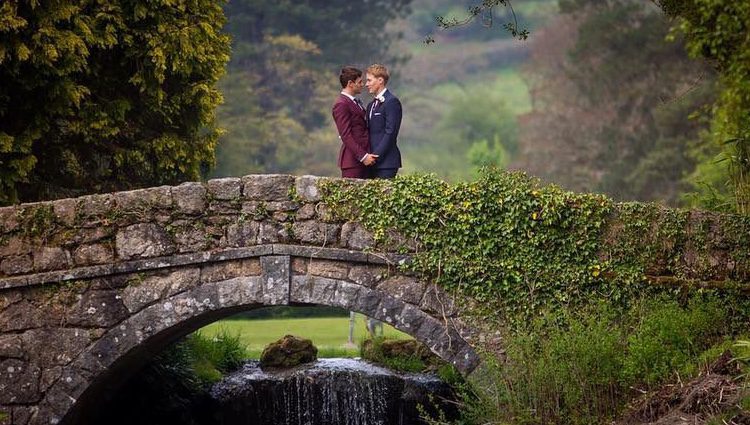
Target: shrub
x: 670, y: 338
x: 211, y: 358
x: 577, y: 367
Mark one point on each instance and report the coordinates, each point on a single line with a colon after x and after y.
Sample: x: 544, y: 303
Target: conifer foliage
x: 101, y: 95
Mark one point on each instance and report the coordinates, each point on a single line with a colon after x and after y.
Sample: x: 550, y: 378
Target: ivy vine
x: 514, y: 244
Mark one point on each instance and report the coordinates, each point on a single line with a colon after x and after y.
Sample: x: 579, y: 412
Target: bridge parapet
x: 114, y: 233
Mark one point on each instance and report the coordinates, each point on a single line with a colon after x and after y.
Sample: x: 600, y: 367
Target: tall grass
x: 583, y: 367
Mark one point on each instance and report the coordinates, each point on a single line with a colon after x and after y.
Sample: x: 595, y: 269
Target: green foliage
x: 717, y: 30
x: 213, y: 357
x: 372, y: 350
x: 107, y: 95
x: 578, y: 366
x: 504, y: 238
x: 613, y: 102
x: 669, y: 338
x: 519, y: 247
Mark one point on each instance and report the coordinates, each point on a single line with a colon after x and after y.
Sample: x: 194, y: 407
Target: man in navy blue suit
x: 384, y: 121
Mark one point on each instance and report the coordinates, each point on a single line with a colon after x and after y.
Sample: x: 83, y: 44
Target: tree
x: 719, y: 31
x: 612, y: 102
x: 107, y: 95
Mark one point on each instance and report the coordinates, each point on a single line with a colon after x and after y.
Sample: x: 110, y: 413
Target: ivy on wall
x: 518, y: 246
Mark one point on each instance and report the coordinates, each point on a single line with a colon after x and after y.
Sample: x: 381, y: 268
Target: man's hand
x: 370, y: 159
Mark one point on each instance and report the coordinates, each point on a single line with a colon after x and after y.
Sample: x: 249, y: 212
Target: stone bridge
x: 92, y: 288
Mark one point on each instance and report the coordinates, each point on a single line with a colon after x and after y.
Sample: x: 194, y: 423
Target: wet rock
x: 287, y: 352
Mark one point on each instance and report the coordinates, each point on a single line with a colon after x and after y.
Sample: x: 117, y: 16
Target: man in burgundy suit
x: 349, y: 116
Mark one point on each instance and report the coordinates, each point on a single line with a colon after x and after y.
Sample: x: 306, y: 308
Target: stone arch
x: 148, y: 331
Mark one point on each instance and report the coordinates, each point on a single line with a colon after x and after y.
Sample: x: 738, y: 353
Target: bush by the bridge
x: 585, y: 366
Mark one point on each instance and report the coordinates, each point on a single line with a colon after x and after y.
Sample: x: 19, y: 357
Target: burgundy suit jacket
x: 352, y: 127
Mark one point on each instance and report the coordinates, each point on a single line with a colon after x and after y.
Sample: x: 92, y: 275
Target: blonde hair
x: 378, y: 71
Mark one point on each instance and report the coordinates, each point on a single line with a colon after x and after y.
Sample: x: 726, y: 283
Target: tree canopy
x: 105, y: 95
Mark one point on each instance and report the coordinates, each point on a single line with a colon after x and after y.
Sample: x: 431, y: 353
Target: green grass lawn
x: 329, y: 334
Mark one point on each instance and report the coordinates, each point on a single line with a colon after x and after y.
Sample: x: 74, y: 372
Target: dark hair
x: 349, y: 73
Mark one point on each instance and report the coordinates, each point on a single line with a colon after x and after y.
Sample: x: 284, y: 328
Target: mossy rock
x: 399, y: 348
x: 287, y: 352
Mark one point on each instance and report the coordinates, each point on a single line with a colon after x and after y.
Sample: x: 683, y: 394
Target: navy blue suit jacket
x: 384, y: 122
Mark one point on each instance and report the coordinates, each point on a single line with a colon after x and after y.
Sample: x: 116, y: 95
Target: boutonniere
x: 380, y: 99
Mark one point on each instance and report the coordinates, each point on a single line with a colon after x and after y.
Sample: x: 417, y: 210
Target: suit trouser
x: 355, y: 173
x: 382, y: 173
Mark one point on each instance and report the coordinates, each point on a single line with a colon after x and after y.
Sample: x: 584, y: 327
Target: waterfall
x: 326, y: 392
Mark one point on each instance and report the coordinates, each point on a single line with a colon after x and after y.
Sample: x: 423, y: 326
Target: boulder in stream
x: 288, y: 352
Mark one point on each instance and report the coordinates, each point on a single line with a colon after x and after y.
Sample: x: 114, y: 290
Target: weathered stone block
x: 409, y: 319
x: 466, y: 360
x: 49, y: 377
x: 15, y: 246
x: 10, y: 347
x: 92, y: 210
x: 144, y: 201
x: 143, y: 240
x: 87, y: 255
x: 19, y: 382
x: 405, y: 288
x: 190, y: 237
x: 281, y: 206
x: 251, y: 267
x: 226, y: 189
x: 312, y: 290
x: 355, y: 236
x: 368, y: 302
x: 243, y: 234
x: 276, y: 279
x: 325, y: 268
x: 17, y: 264
x: 65, y: 211
x: 437, y: 301
x: 299, y: 265
x: 389, y: 310
x: 346, y: 295
x: 8, y: 219
x: 190, y: 198
x: 51, y: 258
x: 429, y: 331
x: 281, y: 216
x: 271, y: 232
x: 21, y: 316
x: 308, y: 187
x: 97, y: 309
x: 9, y: 297
x: 143, y: 291
x: 55, y: 346
x: 240, y: 291
x: 21, y: 415
x: 87, y: 235
x: 316, y: 233
x: 367, y: 275
x: 222, y: 271
x: 267, y: 187
x: 306, y: 212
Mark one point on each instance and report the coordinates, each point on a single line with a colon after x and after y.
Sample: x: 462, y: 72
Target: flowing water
x: 327, y: 392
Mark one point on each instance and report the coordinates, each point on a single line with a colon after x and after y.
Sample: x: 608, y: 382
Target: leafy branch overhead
x: 486, y: 13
